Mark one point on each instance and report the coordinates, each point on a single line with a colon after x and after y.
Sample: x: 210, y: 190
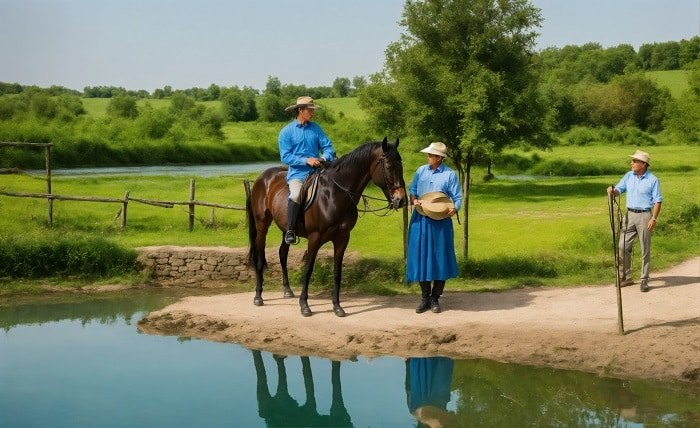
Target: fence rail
x: 50, y: 196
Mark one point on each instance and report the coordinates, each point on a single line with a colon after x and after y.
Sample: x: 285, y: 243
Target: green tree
x: 631, y: 99
x: 341, y: 87
x: 683, y: 118
x: 359, y: 82
x: 462, y: 74
x: 122, y: 105
x: 273, y: 86
x: 271, y: 108
x: 238, y: 105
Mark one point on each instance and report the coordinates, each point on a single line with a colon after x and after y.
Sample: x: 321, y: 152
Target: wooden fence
x: 50, y: 196
x: 191, y: 203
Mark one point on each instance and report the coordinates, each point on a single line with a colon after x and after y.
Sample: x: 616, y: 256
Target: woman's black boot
x: 425, y: 292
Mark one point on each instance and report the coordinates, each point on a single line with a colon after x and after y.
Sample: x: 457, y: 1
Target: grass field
x: 675, y: 80
x: 534, y: 231
x: 523, y: 230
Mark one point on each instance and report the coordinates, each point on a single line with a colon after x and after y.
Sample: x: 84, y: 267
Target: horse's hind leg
x: 260, y: 261
x: 284, y: 254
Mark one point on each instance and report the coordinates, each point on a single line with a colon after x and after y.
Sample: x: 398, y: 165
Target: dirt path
x: 573, y: 328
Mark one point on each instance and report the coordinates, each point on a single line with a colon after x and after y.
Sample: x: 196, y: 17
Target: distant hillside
x: 675, y: 80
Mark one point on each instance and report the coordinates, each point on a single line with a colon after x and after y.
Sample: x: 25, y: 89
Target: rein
x: 364, y: 197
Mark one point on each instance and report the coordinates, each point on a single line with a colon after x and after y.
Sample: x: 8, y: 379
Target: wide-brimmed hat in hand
x: 303, y: 102
x: 642, y: 156
x: 435, y: 205
x: 437, y: 148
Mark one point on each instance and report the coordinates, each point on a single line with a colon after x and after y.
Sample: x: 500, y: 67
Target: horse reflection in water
x: 282, y: 410
x: 330, y: 218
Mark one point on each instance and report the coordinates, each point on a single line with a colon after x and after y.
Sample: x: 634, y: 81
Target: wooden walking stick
x: 611, y: 205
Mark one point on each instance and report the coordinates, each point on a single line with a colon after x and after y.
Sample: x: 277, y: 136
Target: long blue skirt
x: 431, y: 249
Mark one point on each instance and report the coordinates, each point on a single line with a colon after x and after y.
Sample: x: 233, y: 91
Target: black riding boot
x: 438, y: 286
x: 425, y: 292
x: 292, y: 212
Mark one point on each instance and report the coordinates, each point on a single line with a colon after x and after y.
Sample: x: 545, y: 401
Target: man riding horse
x: 300, y: 142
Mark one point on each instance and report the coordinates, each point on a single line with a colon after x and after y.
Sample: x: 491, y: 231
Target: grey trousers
x: 635, y: 225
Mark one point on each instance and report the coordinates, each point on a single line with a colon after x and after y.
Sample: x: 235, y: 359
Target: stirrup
x: 290, y: 238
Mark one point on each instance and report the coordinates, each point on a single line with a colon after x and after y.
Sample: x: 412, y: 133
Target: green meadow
x: 523, y: 230
x: 543, y: 220
x: 675, y: 80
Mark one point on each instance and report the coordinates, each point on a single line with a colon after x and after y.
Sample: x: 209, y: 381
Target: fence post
x: 191, y: 216
x: 49, y: 199
x: 124, y: 205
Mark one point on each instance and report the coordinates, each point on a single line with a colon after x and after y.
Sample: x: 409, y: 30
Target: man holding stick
x: 643, y: 207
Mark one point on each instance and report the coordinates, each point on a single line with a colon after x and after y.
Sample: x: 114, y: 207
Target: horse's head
x: 387, y: 174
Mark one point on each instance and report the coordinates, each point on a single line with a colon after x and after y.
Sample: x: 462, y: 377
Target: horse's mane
x: 356, y: 158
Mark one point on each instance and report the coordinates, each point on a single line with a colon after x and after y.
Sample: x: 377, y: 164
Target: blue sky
x: 147, y: 44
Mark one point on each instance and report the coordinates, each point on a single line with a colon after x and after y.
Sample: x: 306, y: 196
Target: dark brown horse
x: 331, y: 217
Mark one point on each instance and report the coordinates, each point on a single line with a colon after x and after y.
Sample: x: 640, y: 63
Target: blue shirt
x: 642, y: 192
x: 297, y: 142
x: 442, y: 179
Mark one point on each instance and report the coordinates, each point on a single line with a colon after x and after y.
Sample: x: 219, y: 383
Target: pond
x: 79, y: 360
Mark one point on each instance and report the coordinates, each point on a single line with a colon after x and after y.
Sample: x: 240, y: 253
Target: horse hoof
x: 306, y: 311
x: 258, y: 301
x: 338, y: 311
x: 288, y: 293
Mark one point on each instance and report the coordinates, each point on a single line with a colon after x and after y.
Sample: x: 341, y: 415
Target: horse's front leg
x: 311, y: 253
x: 339, y: 247
x: 284, y: 254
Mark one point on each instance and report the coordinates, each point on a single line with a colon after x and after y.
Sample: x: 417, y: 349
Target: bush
x: 580, y: 136
x: 627, y: 135
x: 63, y: 256
x: 569, y: 168
x: 122, y: 105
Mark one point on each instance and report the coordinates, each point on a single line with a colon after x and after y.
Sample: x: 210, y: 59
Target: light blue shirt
x: 298, y: 142
x: 642, y: 192
x: 442, y: 179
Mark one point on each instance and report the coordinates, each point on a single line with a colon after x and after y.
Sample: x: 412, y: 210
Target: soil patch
x: 567, y: 328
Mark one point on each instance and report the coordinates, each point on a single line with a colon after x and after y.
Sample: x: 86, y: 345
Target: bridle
x: 387, y: 186
x: 385, y: 174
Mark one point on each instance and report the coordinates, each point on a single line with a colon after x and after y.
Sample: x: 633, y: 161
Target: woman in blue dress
x: 431, y: 254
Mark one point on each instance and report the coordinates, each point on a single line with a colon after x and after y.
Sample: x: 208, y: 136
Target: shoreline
x: 564, y: 328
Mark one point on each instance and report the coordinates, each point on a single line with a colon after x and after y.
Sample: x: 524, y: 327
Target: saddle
x: 308, y: 190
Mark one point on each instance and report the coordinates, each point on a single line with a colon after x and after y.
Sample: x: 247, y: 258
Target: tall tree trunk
x: 466, y: 187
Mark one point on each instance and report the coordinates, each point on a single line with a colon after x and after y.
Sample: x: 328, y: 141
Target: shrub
x: 580, y: 136
x: 63, y: 256
x: 122, y: 105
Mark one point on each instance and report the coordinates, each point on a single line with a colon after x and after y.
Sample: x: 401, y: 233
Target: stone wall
x: 196, y: 265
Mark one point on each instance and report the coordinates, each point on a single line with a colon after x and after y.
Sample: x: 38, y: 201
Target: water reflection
x: 79, y: 360
x: 281, y: 409
x: 428, y: 392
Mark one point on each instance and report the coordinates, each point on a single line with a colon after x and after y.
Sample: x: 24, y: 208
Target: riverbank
x: 566, y: 328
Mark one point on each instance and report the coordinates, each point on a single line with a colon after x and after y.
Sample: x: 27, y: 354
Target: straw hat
x: 437, y: 148
x: 435, y: 205
x: 303, y: 102
x: 642, y: 156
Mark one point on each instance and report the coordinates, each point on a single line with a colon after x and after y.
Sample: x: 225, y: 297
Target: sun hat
x: 436, y: 148
x: 642, y: 156
x: 435, y: 205
x: 303, y: 102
